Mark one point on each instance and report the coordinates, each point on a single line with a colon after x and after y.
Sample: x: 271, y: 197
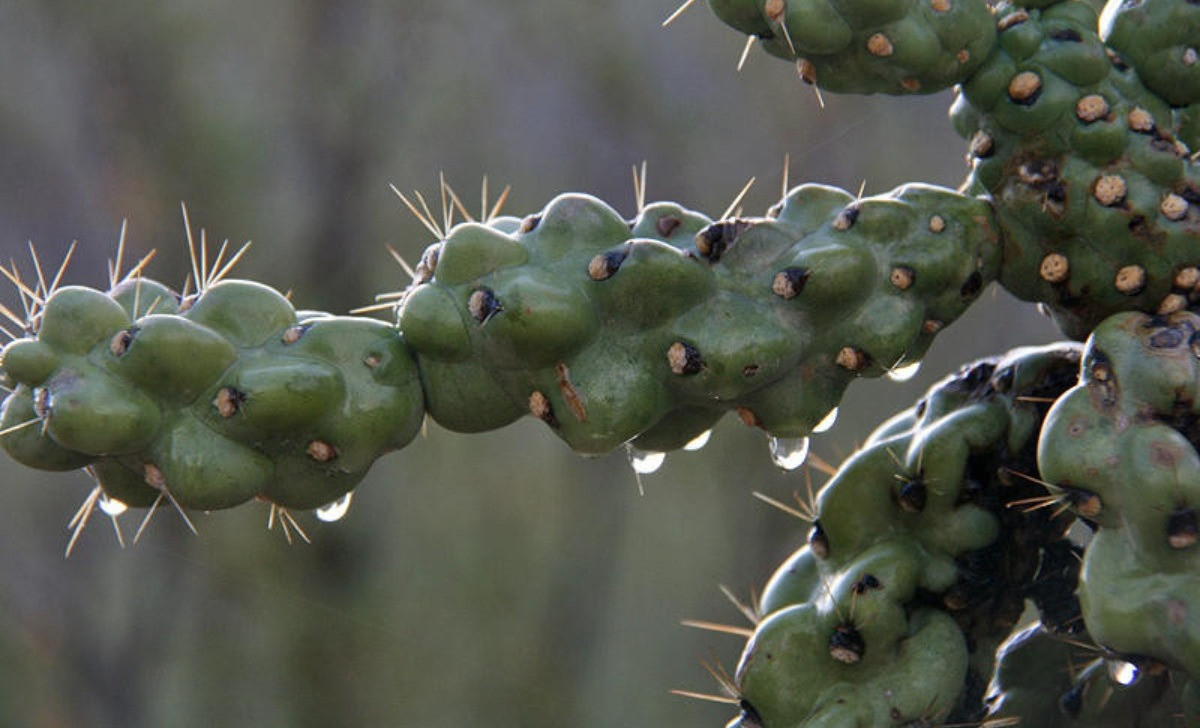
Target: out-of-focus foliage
x: 477, y: 580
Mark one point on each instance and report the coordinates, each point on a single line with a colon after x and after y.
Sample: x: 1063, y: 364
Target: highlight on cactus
x: 1037, y: 509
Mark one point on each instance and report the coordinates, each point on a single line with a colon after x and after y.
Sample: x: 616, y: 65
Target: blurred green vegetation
x: 484, y: 580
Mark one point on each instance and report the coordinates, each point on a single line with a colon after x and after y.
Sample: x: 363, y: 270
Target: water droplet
x: 1122, y: 672
x: 789, y: 453
x: 112, y: 507
x: 826, y: 423
x: 644, y: 463
x: 904, y: 373
x: 699, y: 441
x: 334, y: 511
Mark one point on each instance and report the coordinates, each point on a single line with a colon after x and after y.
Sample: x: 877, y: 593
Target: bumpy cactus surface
x: 1061, y: 478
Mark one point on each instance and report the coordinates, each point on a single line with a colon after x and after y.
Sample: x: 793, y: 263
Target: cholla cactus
x: 904, y: 608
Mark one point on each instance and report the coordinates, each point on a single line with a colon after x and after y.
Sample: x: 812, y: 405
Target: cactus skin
x: 1158, y: 39
x: 870, y: 46
x: 1040, y: 676
x: 919, y: 553
x: 220, y: 398
x: 1127, y: 434
x: 1097, y: 198
x: 650, y: 330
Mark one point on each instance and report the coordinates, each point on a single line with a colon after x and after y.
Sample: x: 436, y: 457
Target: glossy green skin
x: 1049, y: 681
x: 1155, y: 37
x: 1044, y: 162
x: 597, y: 347
x: 134, y: 394
x: 930, y: 49
x: 926, y: 603
x: 1123, y: 434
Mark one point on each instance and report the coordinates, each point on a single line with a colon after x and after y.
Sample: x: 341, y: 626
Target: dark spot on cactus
x: 1002, y: 380
x: 667, y: 224
x: 530, y: 223
x: 121, y: 340
x: 750, y: 717
x: 1071, y: 702
x: 1190, y: 192
x: 867, y: 582
x: 372, y: 360
x: 229, y: 401
x: 750, y: 370
x: 912, y: 494
x: 1183, y: 530
x: 921, y: 407
x: 605, y: 265
x: 789, y: 282
x: 685, y: 359
x: 483, y: 304
x: 1166, y: 339
x: 1116, y: 59
x: 1069, y: 35
x: 972, y: 286
x: 715, y: 239
x: 818, y: 541
x: 747, y: 416
x: 847, y: 645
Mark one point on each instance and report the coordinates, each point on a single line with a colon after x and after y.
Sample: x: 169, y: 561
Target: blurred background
x: 483, y: 580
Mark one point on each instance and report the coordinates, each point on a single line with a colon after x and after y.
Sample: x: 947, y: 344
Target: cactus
x: 904, y: 608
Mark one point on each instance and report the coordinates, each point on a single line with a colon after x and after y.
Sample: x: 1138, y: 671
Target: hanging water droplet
x: 826, y: 423
x: 789, y: 453
x: 699, y: 441
x: 1122, y: 672
x: 644, y: 463
x: 904, y: 373
x: 112, y: 507
x: 334, y: 511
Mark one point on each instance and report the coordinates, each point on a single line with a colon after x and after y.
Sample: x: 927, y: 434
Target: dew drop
x: 334, y: 511
x: 644, y: 463
x: 699, y: 441
x: 112, y: 507
x: 827, y: 422
x: 789, y: 453
x: 904, y: 373
x: 1122, y: 672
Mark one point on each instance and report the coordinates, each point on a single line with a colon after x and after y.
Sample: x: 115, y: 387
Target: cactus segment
x: 923, y: 543
x: 1160, y: 39
x: 869, y: 46
x: 213, y: 400
x: 611, y: 331
x: 1090, y: 172
x: 1039, y: 674
x: 1127, y: 435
